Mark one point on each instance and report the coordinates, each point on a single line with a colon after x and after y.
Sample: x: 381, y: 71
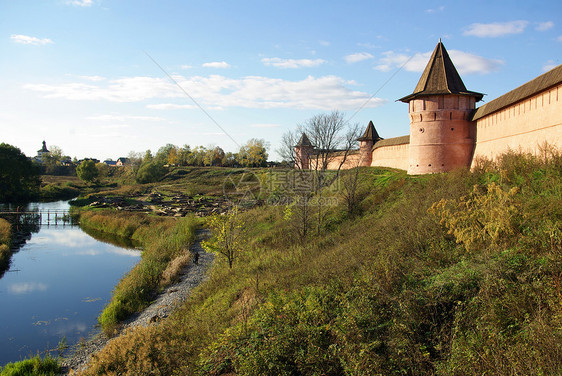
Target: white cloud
x: 559, y: 39
x: 357, y: 57
x: 465, y: 63
x: 124, y: 118
x: 291, y: 63
x: 264, y: 125
x: 544, y: 26
x: 185, y: 66
x: 92, y: 78
x: 130, y: 89
x: 217, y: 64
x: 217, y: 92
x: 550, y: 64
x: 496, y: 29
x: 170, y: 106
x: 435, y: 10
x: 26, y: 39
x: 80, y: 3
x: 324, y: 43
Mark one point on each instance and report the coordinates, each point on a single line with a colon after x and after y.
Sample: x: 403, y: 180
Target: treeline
x: 149, y: 168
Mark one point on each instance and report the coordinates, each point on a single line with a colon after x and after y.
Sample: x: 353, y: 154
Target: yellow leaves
x: 228, y: 231
x: 483, y: 217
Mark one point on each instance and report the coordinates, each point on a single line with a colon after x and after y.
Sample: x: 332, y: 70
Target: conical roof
x: 440, y: 77
x: 304, y: 141
x: 370, y: 134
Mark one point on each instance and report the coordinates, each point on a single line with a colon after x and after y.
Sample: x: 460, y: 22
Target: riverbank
x: 5, y: 241
x: 190, y: 276
x: 165, y: 243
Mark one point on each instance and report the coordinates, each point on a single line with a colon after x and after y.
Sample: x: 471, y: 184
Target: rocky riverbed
x: 191, y: 276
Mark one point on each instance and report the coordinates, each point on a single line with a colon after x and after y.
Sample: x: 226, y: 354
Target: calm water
x: 57, y: 285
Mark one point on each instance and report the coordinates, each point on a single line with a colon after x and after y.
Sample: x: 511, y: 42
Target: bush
x: 32, y: 367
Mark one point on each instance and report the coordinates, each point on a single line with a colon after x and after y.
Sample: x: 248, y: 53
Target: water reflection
x: 26, y: 287
x: 57, y: 284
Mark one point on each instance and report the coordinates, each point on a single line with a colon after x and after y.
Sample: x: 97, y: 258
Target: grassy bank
x: 5, y: 240
x: 449, y: 274
x: 165, y: 243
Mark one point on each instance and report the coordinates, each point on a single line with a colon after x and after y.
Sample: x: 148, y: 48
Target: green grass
x: 394, y: 289
x: 36, y: 366
x: 162, y: 239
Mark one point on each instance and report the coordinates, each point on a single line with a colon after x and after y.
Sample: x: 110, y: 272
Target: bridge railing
x: 54, y: 217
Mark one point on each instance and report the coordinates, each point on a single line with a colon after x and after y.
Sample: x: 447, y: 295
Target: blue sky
x: 93, y: 76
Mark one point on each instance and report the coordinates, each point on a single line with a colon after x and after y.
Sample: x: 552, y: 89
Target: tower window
x: 422, y: 130
x: 452, y: 129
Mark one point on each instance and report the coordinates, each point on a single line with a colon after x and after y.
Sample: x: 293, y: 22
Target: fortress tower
x: 441, y: 133
x: 366, y: 142
x: 303, y: 151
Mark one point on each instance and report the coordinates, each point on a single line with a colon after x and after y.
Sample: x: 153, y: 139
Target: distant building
x: 122, y: 161
x: 110, y: 162
x: 42, y: 153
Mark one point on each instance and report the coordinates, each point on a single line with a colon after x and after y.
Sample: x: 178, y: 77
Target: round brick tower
x: 366, y: 142
x: 441, y: 132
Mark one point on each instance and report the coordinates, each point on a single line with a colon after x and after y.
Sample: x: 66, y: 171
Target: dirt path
x: 191, y: 276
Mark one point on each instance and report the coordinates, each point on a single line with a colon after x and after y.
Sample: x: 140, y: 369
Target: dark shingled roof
x: 440, y: 77
x: 304, y: 141
x: 393, y: 141
x: 370, y: 134
x: 542, y: 82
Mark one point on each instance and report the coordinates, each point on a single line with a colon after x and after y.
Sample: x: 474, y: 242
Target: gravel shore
x: 191, y: 276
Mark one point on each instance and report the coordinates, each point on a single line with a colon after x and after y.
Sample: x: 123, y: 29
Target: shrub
x: 32, y: 367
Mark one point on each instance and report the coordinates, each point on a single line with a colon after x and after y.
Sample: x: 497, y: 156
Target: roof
x: 370, y: 134
x: 304, y: 141
x: 440, y: 77
x: 43, y: 149
x: 541, y: 83
x: 393, y: 141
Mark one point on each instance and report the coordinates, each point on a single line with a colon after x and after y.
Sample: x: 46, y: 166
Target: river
x: 57, y: 285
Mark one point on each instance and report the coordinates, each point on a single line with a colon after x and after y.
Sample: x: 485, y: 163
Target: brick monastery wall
x: 395, y: 156
x: 351, y: 161
x: 525, y: 125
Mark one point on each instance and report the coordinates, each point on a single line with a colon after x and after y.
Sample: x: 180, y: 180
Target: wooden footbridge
x: 45, y: 217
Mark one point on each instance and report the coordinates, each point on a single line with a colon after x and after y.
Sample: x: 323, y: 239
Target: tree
x: 183, y: 155
x: 173, y: 156
x: 87, y: 171
x: 52, y: 161
x: 228, y: 235
x: 19, y: 177
x: 150, y: 172
x: 213, y: 156
x: 163, y: 153
x: 253, y: 153
x: 333, y: 138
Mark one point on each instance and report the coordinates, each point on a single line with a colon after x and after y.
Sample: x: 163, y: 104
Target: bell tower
x: 441, y: 133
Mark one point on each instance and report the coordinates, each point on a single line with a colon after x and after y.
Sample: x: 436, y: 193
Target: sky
x: 103, y: 78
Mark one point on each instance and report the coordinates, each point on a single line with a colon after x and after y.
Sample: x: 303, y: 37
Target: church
x: 448, y: 131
